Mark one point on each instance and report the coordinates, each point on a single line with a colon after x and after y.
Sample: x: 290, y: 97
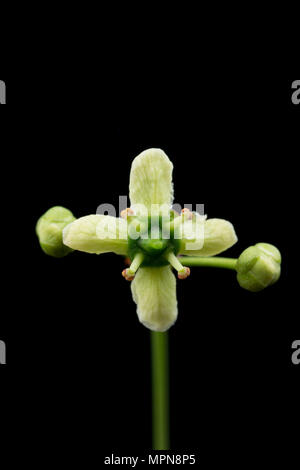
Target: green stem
x: 160, y: 390
x: 160, y: 363
x: 214, y: 262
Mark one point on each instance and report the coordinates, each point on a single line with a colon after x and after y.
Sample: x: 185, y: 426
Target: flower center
x: 152, y: 237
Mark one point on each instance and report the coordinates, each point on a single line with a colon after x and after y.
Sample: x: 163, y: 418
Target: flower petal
x: 219, y: 235
x: 97, y: 234
x: 154, y: 292
x: 151, y: 181
x: 190, y: 232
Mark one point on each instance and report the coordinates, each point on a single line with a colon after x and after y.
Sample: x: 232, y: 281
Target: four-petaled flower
x: 152, y: 235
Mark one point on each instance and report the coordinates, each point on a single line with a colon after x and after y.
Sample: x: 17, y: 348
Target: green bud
x: 49, y: 230
x: 258, y: 267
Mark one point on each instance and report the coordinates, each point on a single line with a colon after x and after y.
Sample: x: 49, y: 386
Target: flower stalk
x: 160, y: 390
x: 209, y: 262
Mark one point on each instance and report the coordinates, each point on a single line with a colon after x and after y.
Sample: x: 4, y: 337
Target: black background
x: 78, y: 361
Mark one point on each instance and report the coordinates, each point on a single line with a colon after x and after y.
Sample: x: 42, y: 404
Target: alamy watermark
x: 2, y: 92
x: 109, y: 209
x: 190, y: 226
x: 296, y: 353
x: 2, y: 352
x: 296, y: 93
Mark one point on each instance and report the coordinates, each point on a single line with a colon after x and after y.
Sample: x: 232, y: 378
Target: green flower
x: 152, y: 235
x: 258, y: 267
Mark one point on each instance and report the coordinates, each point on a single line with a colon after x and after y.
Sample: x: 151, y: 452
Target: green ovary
x: 152, y: 238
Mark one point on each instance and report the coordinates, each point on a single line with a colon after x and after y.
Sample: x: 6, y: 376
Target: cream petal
x: 97, y: 234
x: 151, y: 182
x: 190, y: 232
x: 154, y: 292
x: 219, y: 235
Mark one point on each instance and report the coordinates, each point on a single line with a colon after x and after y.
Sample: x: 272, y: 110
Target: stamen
x: 137, y: 260
x: 129, y: 273
x: 183, y: 271
x: 127, y: 213
x: 186, y: 214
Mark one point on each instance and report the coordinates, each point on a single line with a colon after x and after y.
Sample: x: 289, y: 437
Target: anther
x: 129, y: 275
x: 127, y: 213
x: 184, y: 273
x: 187, y: 214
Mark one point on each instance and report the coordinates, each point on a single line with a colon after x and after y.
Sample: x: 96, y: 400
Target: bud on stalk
x: 258, y: 267
x: 49, y: 230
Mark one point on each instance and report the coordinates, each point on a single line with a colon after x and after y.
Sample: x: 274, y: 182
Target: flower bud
x: 49, y: 230
x: 258, y: 267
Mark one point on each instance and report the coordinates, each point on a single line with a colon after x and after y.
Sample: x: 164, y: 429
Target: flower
x: 151, y: 234
x: 258, y: 267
